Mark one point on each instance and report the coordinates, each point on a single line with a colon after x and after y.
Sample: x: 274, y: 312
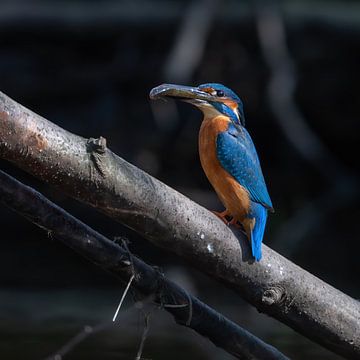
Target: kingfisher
x: 228, y: 157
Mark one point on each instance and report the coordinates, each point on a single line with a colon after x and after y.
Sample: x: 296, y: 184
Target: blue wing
x: 237, y: 154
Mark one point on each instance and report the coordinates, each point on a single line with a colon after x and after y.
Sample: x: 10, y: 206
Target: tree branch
x: 88, y: 171
x: 148, y: 281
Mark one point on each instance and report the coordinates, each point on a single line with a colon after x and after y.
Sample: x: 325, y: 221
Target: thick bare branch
x: 148, y: 281
x: 90, y: 172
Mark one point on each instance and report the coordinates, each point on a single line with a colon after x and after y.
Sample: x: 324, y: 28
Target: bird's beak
x: 180, y: 92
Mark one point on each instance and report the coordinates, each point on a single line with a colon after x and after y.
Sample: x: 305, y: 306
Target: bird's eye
x: 220, y: 93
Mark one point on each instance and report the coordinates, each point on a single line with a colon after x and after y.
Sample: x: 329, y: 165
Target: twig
x: 77, y: 339
x: 144, y: 336
x: 123, y: 297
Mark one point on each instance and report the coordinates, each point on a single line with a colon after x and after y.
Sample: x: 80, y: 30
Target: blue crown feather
x: 223, y: 108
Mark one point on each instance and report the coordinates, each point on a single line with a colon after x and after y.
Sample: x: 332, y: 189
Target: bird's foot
x: 236, y: 223
x: 224, y: 216
x: 228, y: 219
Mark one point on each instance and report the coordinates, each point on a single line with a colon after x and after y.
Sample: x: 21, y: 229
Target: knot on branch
x: 129, y: 260
x: 273, y: 295
x: 97, y: 145
x: 97, y: 149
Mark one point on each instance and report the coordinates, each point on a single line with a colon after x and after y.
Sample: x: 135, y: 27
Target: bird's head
x: 212, y: 99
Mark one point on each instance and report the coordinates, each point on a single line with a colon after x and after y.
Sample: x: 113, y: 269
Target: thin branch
x: 147, y: 281
x: 77, y: 339
x: 144, y: 336
x: 81, y: 336
x: 169, y: 220
x: 123, y: 297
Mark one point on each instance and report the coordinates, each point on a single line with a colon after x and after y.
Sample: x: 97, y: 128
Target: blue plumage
x: 258, y: 212
x: 246, y: 199
x: 221, y: 107
x: 237, y: 155
x: 224, y: 109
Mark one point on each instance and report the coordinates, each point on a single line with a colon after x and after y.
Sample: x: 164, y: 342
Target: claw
x: 223, y: 216
x: 236, y: 223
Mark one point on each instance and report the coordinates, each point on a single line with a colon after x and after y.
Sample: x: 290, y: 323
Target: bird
x: 228, y: 157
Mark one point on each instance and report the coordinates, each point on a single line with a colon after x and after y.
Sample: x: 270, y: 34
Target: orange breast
x: 234, y: 197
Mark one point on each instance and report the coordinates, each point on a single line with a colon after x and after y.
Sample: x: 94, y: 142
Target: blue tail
x: 259, y: 212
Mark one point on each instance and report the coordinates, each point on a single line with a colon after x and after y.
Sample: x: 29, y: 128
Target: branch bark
x: 148, y: 282
x: 90, y: 172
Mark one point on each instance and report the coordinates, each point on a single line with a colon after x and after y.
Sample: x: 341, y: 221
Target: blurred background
x: 88, y: 66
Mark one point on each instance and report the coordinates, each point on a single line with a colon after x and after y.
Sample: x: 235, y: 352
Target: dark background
x: 88, y: 66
